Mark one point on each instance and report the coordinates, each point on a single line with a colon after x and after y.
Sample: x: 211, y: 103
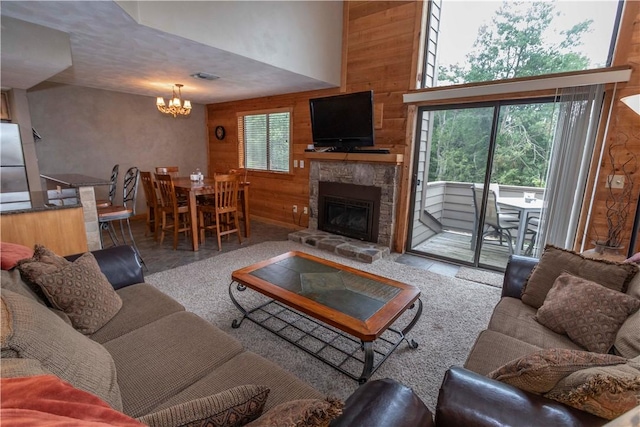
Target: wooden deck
x: 457, y: 247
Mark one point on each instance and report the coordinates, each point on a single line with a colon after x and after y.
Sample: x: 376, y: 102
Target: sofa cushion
x: 83, y: 292
x: 493, y: 349
x: 556, y: 260
x: 141, y: 304
x: 33, y: 332
x: 301, y: 413
x: 588, y: 313
x: 12, y: 280
x: 514, y: 318
x: 248, y: 368
x: 12, y: 367
x: 11, y: 253
x: 231, y: 408
x: 162, y: 358
x: 539, y: 372
x: 627, y: 341
x: 607, y: 392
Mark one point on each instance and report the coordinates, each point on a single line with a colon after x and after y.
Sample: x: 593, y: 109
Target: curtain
x: 579, y: 111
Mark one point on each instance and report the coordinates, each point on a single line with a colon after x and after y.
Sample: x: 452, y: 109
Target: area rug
x: 455, y: 311
x: 490, y: 278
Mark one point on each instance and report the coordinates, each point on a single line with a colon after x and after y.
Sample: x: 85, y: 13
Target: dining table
x: 525, y: 209
x: 192, y: 189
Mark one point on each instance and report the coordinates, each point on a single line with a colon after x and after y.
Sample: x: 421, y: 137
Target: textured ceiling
x: 111, y: 51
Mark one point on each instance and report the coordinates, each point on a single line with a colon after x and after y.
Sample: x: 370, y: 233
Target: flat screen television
x: 343, y: 122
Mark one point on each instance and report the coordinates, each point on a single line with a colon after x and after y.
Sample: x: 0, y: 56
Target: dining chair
x: 152, y: 200
x: 222, y: 212
x: 113, y: 184
x: 494, y: 224
x: 171, y: 209
x: 109, y: 214
x: 168, y: 170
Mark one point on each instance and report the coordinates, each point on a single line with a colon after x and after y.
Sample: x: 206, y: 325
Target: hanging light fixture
x: 176, y: 105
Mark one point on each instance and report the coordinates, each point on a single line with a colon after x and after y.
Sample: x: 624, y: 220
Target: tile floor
x: 162, y: 257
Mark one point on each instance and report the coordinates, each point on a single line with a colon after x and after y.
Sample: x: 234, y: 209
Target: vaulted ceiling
x: 255, y: 49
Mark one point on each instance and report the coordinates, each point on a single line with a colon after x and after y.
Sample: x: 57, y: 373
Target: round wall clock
x: 220, y: 132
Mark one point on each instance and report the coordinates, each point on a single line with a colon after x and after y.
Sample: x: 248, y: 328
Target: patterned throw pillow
x: 555, y: 260
x: 539, y: 372
x: 43, y: 261
x: 230, y: 408
x: 607, y: 392
x: 301, y: 413
x: 587, y: 312
x: 83, y: 292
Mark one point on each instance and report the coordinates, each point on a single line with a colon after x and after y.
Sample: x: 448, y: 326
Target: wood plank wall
x: 624, y: 123
x: 378, y: 48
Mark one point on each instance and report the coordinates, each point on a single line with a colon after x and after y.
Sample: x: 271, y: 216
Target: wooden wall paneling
x: 61, y: 230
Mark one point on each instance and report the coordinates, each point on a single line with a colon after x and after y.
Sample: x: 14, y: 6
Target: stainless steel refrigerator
x: 13, y: 173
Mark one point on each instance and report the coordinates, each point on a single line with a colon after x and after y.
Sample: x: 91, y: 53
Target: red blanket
x: 46, y: 400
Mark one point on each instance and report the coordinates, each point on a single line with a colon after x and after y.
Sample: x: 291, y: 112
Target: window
x: 264, y: 141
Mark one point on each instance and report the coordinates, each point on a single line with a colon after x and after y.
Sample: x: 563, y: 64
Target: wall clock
x: 220, y: 132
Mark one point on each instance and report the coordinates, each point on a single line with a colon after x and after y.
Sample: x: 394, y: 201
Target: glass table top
x: 354, y: 295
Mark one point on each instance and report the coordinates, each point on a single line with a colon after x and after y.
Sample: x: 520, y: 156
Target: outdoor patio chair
x: 494, y: 223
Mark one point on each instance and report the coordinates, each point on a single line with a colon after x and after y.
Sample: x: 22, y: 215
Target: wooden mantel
x: 397, y: 159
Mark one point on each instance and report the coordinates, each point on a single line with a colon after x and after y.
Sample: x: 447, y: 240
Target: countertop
x: 33, y: 201
x: 74, y: 180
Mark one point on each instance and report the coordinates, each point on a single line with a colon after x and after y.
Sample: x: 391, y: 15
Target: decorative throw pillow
x: 43, y: 261
x: 301, y: 413
x: 83, y: 292
x: 11, y: 253
x: 555, y: 260
x: 539, y: 372
x: 233, y: 407
x: 627, y: 343
x: 30, y: 330
x: 588, y: 313
x: 607, y: 392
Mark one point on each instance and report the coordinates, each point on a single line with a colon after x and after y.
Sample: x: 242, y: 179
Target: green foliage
x: 515, y: 45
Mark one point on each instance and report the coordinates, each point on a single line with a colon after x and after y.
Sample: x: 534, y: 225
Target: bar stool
x: 113, y: 184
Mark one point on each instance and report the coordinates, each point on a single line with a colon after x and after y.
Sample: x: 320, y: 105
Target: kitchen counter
x: 74, y: 180
x: 34, y: 201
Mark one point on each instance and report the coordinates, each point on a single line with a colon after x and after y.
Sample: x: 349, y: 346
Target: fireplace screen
x: 349, y: 210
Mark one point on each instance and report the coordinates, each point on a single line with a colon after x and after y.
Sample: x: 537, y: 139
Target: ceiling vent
x: 204, y: 76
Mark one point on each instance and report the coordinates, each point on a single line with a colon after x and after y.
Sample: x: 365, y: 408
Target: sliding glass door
x: 480, y: 179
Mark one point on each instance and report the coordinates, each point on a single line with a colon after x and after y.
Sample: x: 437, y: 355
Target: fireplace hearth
x: 349, y: 210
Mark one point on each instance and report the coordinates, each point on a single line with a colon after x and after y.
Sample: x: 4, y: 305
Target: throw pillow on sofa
x: 30, y: 330
x: 539, y: 372
x: 43, y: 261
x: 627, y: 343
x: 555, y: 260
x: 83, y: 292
x: 587, y: 312
x: 231, y: 408
x: 607, y: 392
x: 301, y: 413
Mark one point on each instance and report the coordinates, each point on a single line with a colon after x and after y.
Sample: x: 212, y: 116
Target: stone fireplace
x: 380, y: 174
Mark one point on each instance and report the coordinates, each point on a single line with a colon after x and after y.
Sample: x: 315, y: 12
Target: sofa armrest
x: 384, y: 403
x: 516, y: 275
x: 470, y: 399
x: 119, y: 263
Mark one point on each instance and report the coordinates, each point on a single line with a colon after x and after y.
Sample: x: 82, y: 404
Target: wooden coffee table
x: 333, y: 312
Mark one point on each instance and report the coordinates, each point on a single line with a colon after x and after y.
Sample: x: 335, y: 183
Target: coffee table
x: 333, y: 312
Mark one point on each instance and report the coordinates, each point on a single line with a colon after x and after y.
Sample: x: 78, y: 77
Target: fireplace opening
x: 349, y: 210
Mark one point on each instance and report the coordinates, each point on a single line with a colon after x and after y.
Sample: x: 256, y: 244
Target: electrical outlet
x: 295, y: 208
x: 305, y: 210
x: 615, y: 181
x: 301, y: 164
x: 295, y: 163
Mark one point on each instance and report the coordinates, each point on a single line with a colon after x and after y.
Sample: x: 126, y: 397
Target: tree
x: 515, y: 45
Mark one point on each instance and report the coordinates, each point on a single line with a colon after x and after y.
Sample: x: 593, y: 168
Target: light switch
x: 295, y: 163
x: 301, y: 164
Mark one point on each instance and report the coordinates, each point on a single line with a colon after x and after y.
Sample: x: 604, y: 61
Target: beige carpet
x: 487, y: 277
x: 455, y: 311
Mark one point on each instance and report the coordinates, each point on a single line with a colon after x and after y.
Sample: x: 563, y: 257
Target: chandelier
x: 176, y: 105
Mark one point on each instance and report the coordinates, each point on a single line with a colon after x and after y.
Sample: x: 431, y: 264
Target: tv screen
x: 343, y: 121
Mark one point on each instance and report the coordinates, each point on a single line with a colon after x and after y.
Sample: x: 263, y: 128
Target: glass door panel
x: 452, y: 157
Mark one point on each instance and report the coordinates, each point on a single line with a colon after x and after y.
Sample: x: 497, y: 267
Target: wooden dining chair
x: 174, y: 171
x: 153, y: 203
x: 174, y: 216
x: 113, y: 185
x: 222, y: 213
